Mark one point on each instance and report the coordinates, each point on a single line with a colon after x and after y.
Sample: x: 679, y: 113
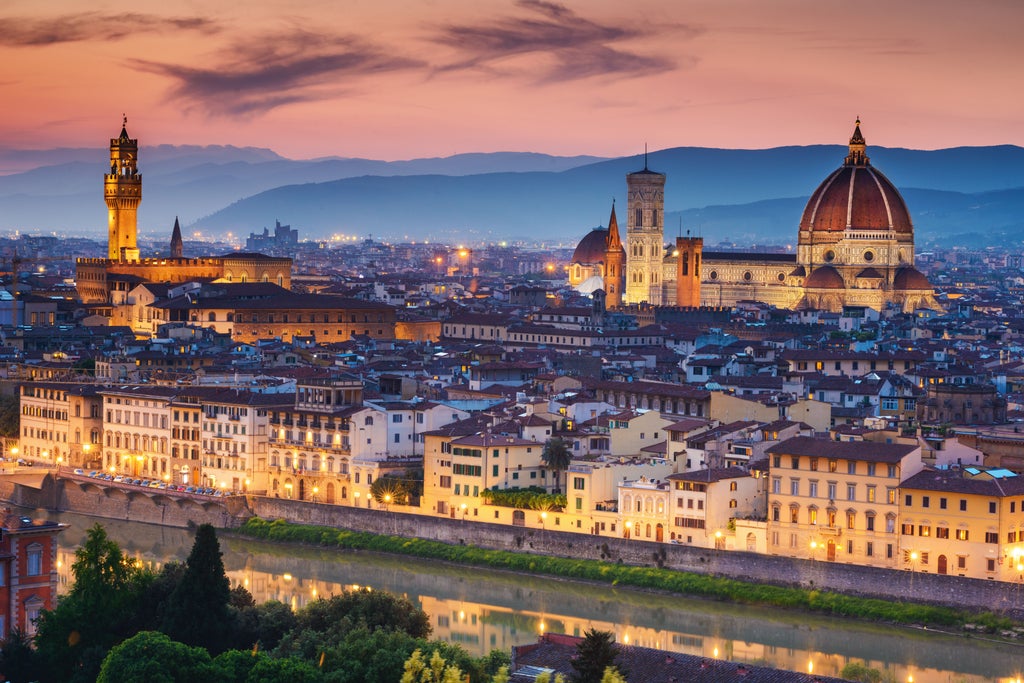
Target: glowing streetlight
x: 629, y: 529
x: 464, y: 509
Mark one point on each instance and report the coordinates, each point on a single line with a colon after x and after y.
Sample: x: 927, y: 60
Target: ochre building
x: 101, y: 281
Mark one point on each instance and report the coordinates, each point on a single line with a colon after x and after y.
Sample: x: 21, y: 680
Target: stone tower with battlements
x: 122, y: 190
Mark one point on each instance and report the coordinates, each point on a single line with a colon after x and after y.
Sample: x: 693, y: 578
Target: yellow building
x: 704, y: 502
x: 60, y: 424
x: 965, y: 521
x: 838, y: 501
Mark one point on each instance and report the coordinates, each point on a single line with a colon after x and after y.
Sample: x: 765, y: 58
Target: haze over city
x: 401, y: 79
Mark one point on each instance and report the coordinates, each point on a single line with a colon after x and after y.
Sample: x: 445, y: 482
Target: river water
x: 482, y: 609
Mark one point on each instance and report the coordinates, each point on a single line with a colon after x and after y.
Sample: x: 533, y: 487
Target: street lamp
x: 464, y: 508
x: 629, y: 528
x: 719, y: 543
x: 316, y: 491
x: 814, y: 548
x: 356, y: 496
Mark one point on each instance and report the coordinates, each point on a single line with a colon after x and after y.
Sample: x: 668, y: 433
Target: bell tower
x: 644, y: 236
x: 614, y: 268
x: 690, y: 250
x: 122, y: 190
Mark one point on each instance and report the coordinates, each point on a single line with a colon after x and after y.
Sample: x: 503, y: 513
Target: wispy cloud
x: 271, y: 70
x: 92, y: 26
x: 579, y: 47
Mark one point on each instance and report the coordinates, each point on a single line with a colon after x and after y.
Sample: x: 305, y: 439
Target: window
x: 813, y: 489
x: 942, y: 532
x: 926, y: 501
x: 812, y: 515
x: 871, y: 494
x: 963, y: 505
x: 814, y: 464
x: 907, y: 529
x: 991, y: 537
x: 732, y: 503
x: 991, y: 565
x: 871, y: 469
x: 831, y: 490
x: 794, y: 514
x: 34, y: 560
x: 397, y: 417
x: 991, y: 507
x: 962, y: 535
x: 832, y: 465
x: 851, y: 467
x: 578, y: 483
x: 796, y: 462
x: 776, y: 461
x: 908, y: 500
x: 924, y: 530
x: 890, y: 496
x: 961, y: 562
x: 869, y: 521
x: 891, y: 471
x: 942, y: 504
x: 851, y: 519
x: 794, y: 487
x: 869, y: 549
x: 851, y: 492
x: 775, y: 513
x: 776, y: 485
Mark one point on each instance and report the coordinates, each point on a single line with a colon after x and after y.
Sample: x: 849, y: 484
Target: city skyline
x: 405, y: 79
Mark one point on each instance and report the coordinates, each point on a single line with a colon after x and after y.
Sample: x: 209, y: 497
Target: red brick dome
x: 824, y: 277
x: 591, y: 248
x: 856, y: 196
x: 910, y: 278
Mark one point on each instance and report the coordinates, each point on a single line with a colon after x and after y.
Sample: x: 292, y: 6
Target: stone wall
x: 955, y: 591
x: 156, y: 508
x: 137, y: 505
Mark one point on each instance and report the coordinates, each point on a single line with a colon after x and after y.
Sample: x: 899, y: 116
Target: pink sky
x: 399, y: 79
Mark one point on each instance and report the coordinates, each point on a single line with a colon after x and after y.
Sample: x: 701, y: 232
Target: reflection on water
x: 483, y: 610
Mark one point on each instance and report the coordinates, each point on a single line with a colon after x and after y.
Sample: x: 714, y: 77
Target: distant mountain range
x: 742, y: 196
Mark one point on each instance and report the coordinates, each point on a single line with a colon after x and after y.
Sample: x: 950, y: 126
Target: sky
x: 402, y: 79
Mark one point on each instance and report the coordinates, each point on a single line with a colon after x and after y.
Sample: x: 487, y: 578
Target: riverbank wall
x: 112, y: 502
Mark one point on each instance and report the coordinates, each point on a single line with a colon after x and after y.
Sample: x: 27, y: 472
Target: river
x: 482, y: 609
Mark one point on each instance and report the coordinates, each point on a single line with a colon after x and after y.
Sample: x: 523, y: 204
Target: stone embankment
x: 107, y: 500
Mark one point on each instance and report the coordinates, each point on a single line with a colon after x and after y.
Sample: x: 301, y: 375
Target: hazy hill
x: 739, y: 195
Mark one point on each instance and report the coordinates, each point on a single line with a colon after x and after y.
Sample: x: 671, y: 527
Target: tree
x: 390, y: 491
x: 594, y: 654
x: 10, y: 416
x: 612, y: 675
x: 556, y: 457
x: 99, y: 611
x: 17, y: 658
x: 197, y: 611
x: 153, y: 657
x: 437, y: 670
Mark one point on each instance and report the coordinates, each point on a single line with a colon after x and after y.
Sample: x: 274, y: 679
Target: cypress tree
x: 197, y: 611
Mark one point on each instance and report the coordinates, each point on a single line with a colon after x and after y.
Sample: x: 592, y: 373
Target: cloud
x: 268, y: 71
x: 92, y: 26
x: 579, y: 47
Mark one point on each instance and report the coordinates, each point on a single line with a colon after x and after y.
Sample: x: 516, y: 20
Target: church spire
x: 857, y: 157
x: 613, y: 241
x: 177, y: 245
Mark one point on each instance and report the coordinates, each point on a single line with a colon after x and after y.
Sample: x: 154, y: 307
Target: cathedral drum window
x: 713, y: 275
x: 781, y: 277
x: 830, y: 256
x: 869, y: 256
x: 748, y: 276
